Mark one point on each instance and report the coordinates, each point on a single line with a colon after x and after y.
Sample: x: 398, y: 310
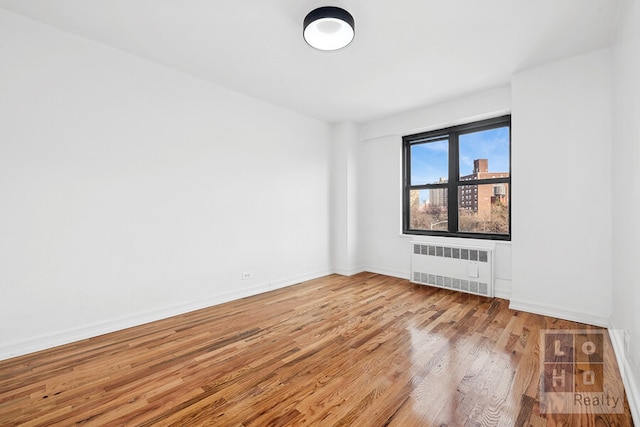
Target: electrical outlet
x: 627, y: 338
x: 247, y: 275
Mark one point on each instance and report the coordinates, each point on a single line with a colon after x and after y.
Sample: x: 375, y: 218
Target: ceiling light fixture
x: 329, y: 28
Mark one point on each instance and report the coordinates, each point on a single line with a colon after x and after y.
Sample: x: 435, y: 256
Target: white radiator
x: 461, y: 268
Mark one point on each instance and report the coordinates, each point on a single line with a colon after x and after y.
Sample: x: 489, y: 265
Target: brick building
x: 479, y: 198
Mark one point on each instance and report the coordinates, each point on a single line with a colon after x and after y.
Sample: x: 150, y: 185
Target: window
x: 444, y: 168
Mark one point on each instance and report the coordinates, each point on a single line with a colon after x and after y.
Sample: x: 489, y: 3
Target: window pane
x: 430, y: 162
x: 484, y: 208
x: 428, y: 209
x: 484, y: 154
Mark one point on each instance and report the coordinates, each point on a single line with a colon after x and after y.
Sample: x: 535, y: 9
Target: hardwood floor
x: 367, y: 350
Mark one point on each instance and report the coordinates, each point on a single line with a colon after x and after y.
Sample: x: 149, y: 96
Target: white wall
x: 385, y: 249
x: 130, y: 191
x: 561, y: 214
x: 626, y: 197
x: 345, y: 249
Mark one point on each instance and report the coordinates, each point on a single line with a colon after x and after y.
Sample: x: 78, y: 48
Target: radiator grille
x: 451, y: 252
x: 464, y: 269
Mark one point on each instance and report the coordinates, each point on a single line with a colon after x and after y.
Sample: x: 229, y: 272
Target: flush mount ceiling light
x: 328, y: 28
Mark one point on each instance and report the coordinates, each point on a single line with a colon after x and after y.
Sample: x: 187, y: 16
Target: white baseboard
x: 88, y: 331
x: 502, y: 288
x: 295, y: 280
x: 629, y: 376
x: 387, y: 272
x: 560, y: 313
x: 349, y: 271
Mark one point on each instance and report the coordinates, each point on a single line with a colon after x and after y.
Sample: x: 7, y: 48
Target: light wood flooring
x: 367, y: 350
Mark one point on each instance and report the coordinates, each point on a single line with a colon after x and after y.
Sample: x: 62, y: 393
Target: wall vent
x: 461, y: 268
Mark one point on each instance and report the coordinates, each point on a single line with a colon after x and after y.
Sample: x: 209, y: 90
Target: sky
x: 429, y: 161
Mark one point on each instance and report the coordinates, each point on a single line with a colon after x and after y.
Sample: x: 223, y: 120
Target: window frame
x: 453, y: 180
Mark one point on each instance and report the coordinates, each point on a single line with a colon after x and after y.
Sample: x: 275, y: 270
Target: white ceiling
x: 406, y: 54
